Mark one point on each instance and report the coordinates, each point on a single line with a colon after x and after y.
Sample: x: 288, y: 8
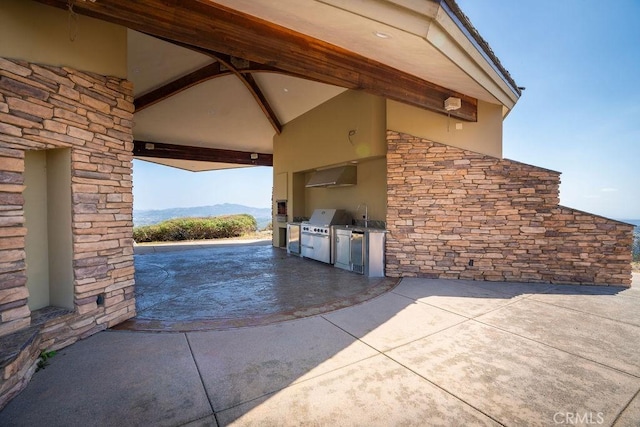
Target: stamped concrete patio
x: 222, y: 284
x: 428, y: 352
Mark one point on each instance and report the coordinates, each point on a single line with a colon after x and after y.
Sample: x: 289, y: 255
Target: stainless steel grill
x: 316, y: 235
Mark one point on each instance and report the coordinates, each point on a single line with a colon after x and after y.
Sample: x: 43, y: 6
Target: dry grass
x: 180, y: 229
x: 635, y: 266
x: 262, y: 234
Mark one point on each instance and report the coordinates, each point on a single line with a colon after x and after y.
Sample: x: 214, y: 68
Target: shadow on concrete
x: 480, y: 343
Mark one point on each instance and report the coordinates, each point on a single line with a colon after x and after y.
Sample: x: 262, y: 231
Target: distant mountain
x: 148, y: 217
x: 636, y: 243
x: 635, y: 222
x: 636, y: 230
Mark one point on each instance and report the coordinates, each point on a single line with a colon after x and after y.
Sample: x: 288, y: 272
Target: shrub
x: 636, y: 245
x: 178, y: 229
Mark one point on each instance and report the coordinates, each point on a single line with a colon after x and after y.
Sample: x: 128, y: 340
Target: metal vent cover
x: 334, y: 177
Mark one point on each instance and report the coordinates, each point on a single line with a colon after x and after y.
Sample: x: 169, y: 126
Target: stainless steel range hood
x: 334, y: 177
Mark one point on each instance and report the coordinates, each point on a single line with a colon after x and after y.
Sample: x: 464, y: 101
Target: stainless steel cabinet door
x: 316, y: 247
x: 357, y: 252
x: 306, y: 245
x: 293, y: 239
x: 322, y: 248
x: 343, y: 249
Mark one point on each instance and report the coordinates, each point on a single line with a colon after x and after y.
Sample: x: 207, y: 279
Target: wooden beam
x: 212, y: 71
x: 243, y: 74
x: 201, y: 154
x: 262, y: 101
x: 205, y: 73
x: 240, y: 64
x: 218, y: 28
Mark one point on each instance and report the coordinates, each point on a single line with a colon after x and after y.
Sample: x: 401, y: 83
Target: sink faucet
x: 366, y: 213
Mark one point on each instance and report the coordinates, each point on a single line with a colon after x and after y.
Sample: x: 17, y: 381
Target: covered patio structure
x: 430, y: 352
x: 407, y: 92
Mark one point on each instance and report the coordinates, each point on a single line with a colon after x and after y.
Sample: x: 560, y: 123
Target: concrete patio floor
x: 222, y: 284
x: 429, y: 352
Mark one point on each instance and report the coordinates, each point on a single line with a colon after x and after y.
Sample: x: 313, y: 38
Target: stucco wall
x: 320, y: 138
x: 59, y: 217
x: 47, y: 211
x: 371, y: 190
x: 455, y: 213
x: 483, y: 136
x: 42, y: 34
x: 37, y: 239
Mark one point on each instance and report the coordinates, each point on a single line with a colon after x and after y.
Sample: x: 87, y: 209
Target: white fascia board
x: 410, y: 16
x: 454, y: 41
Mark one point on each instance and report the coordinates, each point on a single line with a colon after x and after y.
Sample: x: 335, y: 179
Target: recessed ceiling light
x: 381, y: 35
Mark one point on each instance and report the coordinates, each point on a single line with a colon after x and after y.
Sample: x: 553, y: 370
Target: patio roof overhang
x: 228, y: 75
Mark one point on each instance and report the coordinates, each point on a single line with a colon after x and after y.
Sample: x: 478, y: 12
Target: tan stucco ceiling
x: 153, y: 62
x: 191, y: 165
x: 424, y: 40
x: 220, y: 113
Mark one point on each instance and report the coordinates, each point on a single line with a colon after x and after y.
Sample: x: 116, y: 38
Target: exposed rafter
x: 205, y: 73
x: 234, y: 65
x: 184, y: 152
x: 253, y: 87
x: 243, y: 66
x: 220, y: 29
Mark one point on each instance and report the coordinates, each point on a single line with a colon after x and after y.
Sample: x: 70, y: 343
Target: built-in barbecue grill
x: 316, y: 235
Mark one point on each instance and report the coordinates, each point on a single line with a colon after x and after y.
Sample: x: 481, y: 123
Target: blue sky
x: 580, y: 113
x: 162, y: 187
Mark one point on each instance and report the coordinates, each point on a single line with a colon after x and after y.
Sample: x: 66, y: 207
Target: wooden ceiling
x: 228, y: 35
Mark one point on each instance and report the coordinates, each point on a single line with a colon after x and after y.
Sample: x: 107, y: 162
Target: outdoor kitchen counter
x: 364, y: 254
x: 360, y: 229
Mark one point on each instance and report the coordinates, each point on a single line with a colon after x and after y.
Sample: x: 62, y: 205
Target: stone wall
x: 43, y: 107
x: 453, y: 213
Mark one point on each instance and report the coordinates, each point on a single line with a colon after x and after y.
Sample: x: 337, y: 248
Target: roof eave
x: 487, y: 70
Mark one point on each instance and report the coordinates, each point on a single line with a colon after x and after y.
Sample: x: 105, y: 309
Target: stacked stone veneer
x: 43, y: 107
x: 454, y: 213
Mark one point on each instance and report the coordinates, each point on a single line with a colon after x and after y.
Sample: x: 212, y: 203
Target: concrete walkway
x: 430, y: 352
